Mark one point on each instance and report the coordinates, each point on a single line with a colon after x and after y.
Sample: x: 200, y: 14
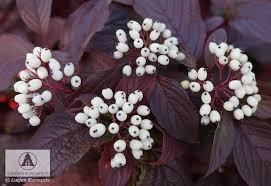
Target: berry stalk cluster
x: 124, y: 117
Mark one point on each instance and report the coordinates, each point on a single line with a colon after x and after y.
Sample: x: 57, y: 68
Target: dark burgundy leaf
x: 12, y: 51
x: 251, y: 19
x: 252, y: 152
x: 213, y: 23
x: 171, y: 150
x: 182, y: 17
x: 134, y: 82
x: 35, y: 14
x: 222, y: 144
x: 217, y: 36
x: 212, y: 180
x: 113, y: 177
x: 63, y: 57
x: 173, y: 173
x: 173, y: 110
x: 264, y: 108
x: 56, y: 29
x: 125, y: 2
x: 67, y: 140
x: 89, y: 18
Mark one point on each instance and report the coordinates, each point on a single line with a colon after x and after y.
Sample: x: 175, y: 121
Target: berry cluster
x: 39, y: 81
x: 114, y: 116
x: 154, y: 43
x: 234, y: 90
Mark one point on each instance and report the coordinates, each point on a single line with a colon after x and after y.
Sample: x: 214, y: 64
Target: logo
x: 27, y: 163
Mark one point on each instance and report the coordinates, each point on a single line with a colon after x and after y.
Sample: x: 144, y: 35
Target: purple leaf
x: 12, y: 51
x: 56, y: 29
x: 88, y: 19
x: 35, y: 14
x: 173, y: 110
x: 67, y: 140
x: 125, y: 2
x: 222, y: 144
x: 213, y: 23
x: 182, y: 17
x: 217, y: 36
x: 264, y: 108
x: 252, y: 152
x: 114, y: 177
x: 171, y: 150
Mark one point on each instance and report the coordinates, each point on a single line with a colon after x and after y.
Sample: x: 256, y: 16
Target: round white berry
x: 235, y: 101
x: 243, y: 58
x: 28, y: 115
x: 143, y: 110
x: 228, y: 106
x: 119, y: 145
x: 135, y: 144
x: 223, y: 45
x: 120, y: 159
x: 167, y: 33
x: 205, y: 110
x: 121, y: 115
x: 235, y: 65
x: 156, y: 25
x: 120, y: 101
x: 223, y: 60
x: 219, y: 51
x: 140, y: 94
x: 162, y: 27
x: 20, y: 99
x: 24, y: 75
x: 147, y: 24
x: 141, y: 61
x: 252, y: 101
x: 133, y: 25
x: 121, y: 35
x: 235, y: 54
x: 33, y: 61
x: 103, y: 108
x: 38, y: 100
x: 155, y: 47
x: 246, y: 68
x: 56, y: 75
x: 113, y: 163
x: 122, y: 47
x: 134, y: 34
x: 37, y: 51
x: 90, y: 122
x: 206, y: 97
x: 42, y: 72
x: 154, y: 35
x: 133, y: 131
x: 185, y: 84
x: 146, y: 124
x: 152, y: 57
x: 119, y: 94
x: 138, y: 43
x: 180, y: 56
x: 69, y: 69
x: 140, y: 71
x: 192, y: 74
x: 34, y: 84
x: 247, y: 79
x: 163, y: 60
x: 113, y: 108
x: 97, y: 130
x: 205, y: 120
x: 93, y: 112
x: 86, y: 109
x: 113, y: 128
x: 150, y: 69
x: 20, y: 87
x: 208, y: 86
x: 137, y: 154
x: 81, y: 118
x: 133, y: 98
x: 234, y: 84
x: 128, y: 107
x: 107, y: 93
x: 45, y: 55
x: 215, y: 116
x: 136, y: 120
x: 144, y: 134
x: 240, y: 92
x: 34, y: 121
x: 238, y: 114
x: 118, y: 55
x: 194, y: 86
x: 54, y: 64
x: 147, y: 145
x: 247, y: 110
x: 96, y: 101
x: 202, y: 74
x: 173, y: 40
x: 173, y: 54
x: 127, y: 70
x: 258, y: 97
x: 24, y: 108
x: 212, y: 47
x: 145, y: 52
x: 249, y: 89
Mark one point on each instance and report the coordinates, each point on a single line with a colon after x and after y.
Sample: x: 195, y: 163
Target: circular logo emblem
x: 27, y: 161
